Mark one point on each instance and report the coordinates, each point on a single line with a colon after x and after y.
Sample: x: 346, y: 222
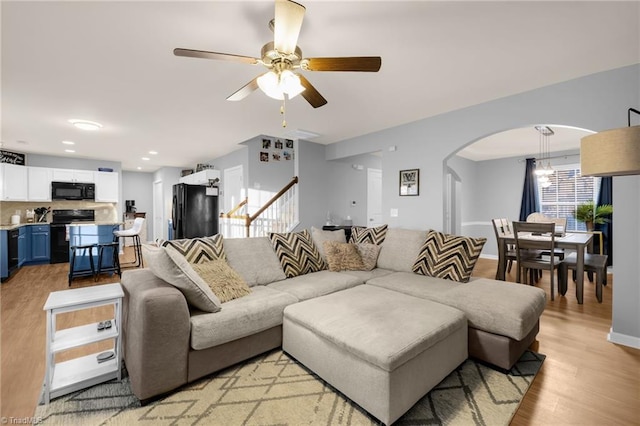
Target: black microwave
x: 73, y: 191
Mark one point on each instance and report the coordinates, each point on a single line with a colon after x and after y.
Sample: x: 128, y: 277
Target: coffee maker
x: 130, y: 205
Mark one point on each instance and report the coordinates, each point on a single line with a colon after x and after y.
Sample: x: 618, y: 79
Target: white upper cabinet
x: 204, y: 177
x: 68, y: 175
x: 107, y: 189
x: 40, y: 183
x: 13, y: 182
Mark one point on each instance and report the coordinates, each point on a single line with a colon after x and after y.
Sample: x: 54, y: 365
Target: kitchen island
x: 90, y: 234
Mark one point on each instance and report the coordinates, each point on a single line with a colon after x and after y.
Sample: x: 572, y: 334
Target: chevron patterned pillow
x: 297, y: 253
x: 375, y: 235
x: 198, y: 250
x: 448, y: 256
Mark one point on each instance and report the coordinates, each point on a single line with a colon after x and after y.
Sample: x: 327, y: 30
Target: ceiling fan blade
x: 244, y: 91
x: 311, y: 94
x: 215, y: 55
x: 354, y: 63
x: 288, y: 21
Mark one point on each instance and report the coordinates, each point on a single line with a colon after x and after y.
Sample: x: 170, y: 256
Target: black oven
x: 59, y: 231
x: 73, y: 191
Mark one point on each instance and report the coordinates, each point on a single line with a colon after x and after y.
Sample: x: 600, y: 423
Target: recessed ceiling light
x: 85, y: 124
x: 153, y: 152
x: 146, y: 158
x: 68, y: 143
x: 139, y: 168
x: 69, y: 150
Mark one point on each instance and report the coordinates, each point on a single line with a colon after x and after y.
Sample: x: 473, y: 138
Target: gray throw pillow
x: 169, y: 265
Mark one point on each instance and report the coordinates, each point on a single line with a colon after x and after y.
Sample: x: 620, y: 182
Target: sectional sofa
x: 168, y: 342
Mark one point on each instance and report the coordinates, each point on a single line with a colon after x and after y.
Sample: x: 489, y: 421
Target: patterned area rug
x: 273, y: 389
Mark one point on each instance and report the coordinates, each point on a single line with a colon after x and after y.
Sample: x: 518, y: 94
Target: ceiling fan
x: 283, y: 58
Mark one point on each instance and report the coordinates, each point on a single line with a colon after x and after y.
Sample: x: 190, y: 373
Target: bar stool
x: 114, y: 267
x: 73, y: 273
x: 133, y: 232
x: 594, y: 263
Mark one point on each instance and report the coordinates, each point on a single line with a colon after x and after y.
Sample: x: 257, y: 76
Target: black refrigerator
x: 194, y: 212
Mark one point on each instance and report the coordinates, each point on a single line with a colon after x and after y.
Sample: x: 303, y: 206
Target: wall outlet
x: 394, y: 213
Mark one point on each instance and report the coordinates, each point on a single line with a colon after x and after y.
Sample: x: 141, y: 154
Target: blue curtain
x: 530, y: 203
x: 605, y: 196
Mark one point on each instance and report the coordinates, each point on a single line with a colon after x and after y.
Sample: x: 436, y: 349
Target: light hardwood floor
x: 584, y: 380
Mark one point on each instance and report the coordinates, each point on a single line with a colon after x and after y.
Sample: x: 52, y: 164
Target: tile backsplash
x: 105, y: 212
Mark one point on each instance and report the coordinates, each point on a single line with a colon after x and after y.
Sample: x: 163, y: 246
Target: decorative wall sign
x: 410, y: 182
x: 12, y: 158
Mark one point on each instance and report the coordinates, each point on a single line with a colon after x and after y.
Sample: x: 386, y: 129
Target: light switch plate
x: 394, y: 213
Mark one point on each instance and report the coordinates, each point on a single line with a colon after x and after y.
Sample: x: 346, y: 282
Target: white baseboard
x: 489, y: 256
x: 623, y: 339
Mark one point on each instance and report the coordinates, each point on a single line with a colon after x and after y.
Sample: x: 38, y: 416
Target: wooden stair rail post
x: 250, y: 219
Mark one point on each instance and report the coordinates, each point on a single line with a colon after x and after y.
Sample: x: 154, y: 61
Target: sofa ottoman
x: 383, y: 349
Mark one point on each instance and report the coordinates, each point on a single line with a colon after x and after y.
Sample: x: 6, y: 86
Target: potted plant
x: 591, y: 214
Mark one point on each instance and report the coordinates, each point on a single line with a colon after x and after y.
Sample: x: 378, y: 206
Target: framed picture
x: 410, y: 182
x: 266, y: 143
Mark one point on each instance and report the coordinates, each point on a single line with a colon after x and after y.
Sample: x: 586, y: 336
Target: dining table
x: 577, y: 241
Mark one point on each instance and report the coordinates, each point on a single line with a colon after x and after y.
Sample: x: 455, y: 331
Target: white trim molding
x: 623, y: 339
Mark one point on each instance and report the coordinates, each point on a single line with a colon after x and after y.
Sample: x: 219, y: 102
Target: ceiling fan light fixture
x: 290, y: 84
x: 268, y: 83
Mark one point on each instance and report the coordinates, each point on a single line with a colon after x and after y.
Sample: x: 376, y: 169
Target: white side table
x: 78, y: 373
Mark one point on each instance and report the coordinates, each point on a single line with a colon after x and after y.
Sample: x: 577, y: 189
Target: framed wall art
x: 410, y: 182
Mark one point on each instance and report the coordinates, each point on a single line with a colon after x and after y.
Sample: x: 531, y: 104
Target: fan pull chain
x: 283, y: 111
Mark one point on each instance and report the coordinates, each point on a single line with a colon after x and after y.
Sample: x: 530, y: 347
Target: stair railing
x: 279, y: 214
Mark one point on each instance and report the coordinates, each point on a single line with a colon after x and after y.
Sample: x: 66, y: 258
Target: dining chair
x: 502, y: 227
x: 593, y: 263
x: 535, y: 236
x: 560, y: 228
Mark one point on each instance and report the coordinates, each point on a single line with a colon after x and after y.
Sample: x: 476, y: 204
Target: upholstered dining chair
x: 532, y: 236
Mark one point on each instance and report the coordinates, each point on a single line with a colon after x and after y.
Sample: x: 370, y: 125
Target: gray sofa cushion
x: 254, y: 259
x: 413, y: 284
x: 400, y: 249
x: 383, y: 327
x: 499, y: 307
x: 316, y: 284
x: 242, y: 317
x: 365, y: 276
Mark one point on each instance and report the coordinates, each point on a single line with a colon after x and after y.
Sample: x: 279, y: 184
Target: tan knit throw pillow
x: 342, y: 256
x: 225, y: 283
x: 369, y: 254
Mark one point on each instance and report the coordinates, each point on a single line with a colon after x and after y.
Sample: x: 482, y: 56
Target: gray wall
x: 138, y: 186
x: 271, y: 175
x: 313, y: 187
x: 596, y: 102
x: 349, y: 184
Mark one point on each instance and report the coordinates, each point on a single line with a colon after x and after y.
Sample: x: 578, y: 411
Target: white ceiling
x: 112, y: 62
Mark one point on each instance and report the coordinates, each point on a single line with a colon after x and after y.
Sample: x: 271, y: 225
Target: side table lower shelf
x: 79, y: 373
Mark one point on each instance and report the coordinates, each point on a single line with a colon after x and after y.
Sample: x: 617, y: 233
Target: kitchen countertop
x: 9, y: 227
x: 96, y: 223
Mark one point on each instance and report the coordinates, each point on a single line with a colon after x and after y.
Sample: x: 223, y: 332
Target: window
x: 568, y: 189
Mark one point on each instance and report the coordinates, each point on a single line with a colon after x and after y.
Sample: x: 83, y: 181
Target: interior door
x: 374, y: 197
x: 158, y: 212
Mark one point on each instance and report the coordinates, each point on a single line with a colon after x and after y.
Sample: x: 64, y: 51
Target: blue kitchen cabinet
x: 24, y: 245
x: 4, y: 256
x: 40, y: 244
